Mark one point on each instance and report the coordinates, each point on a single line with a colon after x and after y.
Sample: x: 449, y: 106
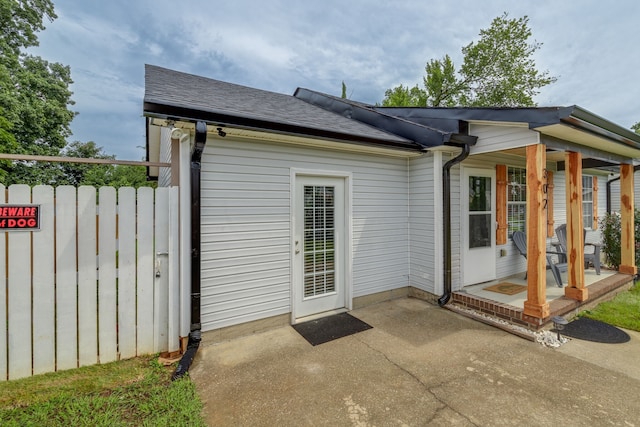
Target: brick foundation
x: 600, y: 291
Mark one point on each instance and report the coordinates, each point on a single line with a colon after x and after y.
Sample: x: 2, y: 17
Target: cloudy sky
x: 279, y: 45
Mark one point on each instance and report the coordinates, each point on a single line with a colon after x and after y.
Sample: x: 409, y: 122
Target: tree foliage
x: 100, y: 175
x: 401, y: 96
x: 76, y: 174
x: 34, y: 93
x: 21, y: 20
x: 497, y: 70
x: 636, y: 127
x: 442, y: 87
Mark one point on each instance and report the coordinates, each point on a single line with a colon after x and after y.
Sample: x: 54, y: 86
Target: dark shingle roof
x: 537, y: 118
x: 173, y: 94
x: 424, y: 134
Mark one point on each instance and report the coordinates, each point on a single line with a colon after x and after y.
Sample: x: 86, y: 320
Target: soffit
x: 587, y: 139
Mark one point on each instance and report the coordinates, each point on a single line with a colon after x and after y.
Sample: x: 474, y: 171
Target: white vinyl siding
x: 615, y: 193
x: 164, y: 175
x: 456, y: 225
x: 425, y: 268
x: 246, y: 226
x: 495, y: 137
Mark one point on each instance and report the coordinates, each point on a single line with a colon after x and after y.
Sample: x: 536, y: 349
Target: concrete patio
x: 419, y: 365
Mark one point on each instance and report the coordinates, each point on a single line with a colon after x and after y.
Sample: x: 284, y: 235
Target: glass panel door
x: 319, y: 240
x: 478, y: 228
x: 480, y: 224
x: 319, y: 245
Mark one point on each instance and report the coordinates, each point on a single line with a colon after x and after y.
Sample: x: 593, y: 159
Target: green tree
x: 117, y: 176
x: 98, y: 175
x: 401, y: 96
x: 497, y: 70
x: 34, y: 93
x: 636, y: 127
x: 442, y: 88
x: 130, y: 176
x: 79, y: 173
x: 7, y: 145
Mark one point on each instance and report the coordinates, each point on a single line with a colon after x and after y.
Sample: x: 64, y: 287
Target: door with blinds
x: 319, y: 242
x: 478, y: 225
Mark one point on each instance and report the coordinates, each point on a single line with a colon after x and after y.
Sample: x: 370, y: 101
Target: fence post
x: 173, y: 329
x: 3, y: 298
x: 127, y: 272
x: 87, y: 277
x: 145, y: 273
x: 44, y: 358
x: 19, y: 293
x: 66, y: 279
x: 161, y: 289
x: 107, y: 334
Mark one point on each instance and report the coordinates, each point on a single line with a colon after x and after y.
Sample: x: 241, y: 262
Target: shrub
x: 611, y: 238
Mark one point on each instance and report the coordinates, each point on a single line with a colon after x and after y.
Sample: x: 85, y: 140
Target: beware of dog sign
x: 19, y: 217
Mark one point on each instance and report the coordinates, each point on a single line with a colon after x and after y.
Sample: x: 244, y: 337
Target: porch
x: 511, y: 307
x: 539, y: 213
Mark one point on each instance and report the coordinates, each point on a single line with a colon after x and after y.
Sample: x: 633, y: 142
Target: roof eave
x: 173, y: 112
x: 580, y: 118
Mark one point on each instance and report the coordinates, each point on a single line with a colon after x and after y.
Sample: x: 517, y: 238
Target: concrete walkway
x: 420, y: 365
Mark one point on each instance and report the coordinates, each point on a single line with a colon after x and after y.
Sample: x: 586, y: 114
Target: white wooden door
x: 478, y: 225
x: 319, y: 245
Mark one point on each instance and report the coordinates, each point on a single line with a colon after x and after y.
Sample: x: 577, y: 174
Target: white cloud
x: 281, y: 44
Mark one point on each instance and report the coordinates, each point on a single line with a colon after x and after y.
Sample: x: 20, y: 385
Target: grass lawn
x: 622, y: 311
x: 135, y: 392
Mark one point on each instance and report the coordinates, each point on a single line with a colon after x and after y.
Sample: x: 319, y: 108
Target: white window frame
x: 511, y: 182
x: 587, y: 205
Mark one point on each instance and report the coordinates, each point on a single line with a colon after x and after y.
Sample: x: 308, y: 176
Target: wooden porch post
x: 575, y: 228
x: 536, y: 304
x: 628, y: 250
x: 550, y: 221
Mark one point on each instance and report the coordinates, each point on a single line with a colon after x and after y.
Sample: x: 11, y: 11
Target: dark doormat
x: 587, y: 329
x: 329, y: 328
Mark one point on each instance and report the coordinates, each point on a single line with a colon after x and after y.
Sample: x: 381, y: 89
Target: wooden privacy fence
x: 96, y: 283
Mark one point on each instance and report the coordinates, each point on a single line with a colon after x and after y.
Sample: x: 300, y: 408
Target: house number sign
x: 545, y: 191
x: 19, y: 217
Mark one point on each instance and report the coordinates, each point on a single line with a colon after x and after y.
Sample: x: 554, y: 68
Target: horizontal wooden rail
x: 30, y: 157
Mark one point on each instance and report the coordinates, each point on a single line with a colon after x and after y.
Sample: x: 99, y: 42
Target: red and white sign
x: 19, y: 217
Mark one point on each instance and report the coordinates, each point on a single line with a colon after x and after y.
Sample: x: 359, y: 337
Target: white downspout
x: 184, y: 141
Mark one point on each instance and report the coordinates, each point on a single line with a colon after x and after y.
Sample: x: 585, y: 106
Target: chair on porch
x: 520, y: 240
x: 589, y: 257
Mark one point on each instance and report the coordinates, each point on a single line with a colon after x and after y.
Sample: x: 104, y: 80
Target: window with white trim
x: 587, y: 201
x: 516, y: 199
